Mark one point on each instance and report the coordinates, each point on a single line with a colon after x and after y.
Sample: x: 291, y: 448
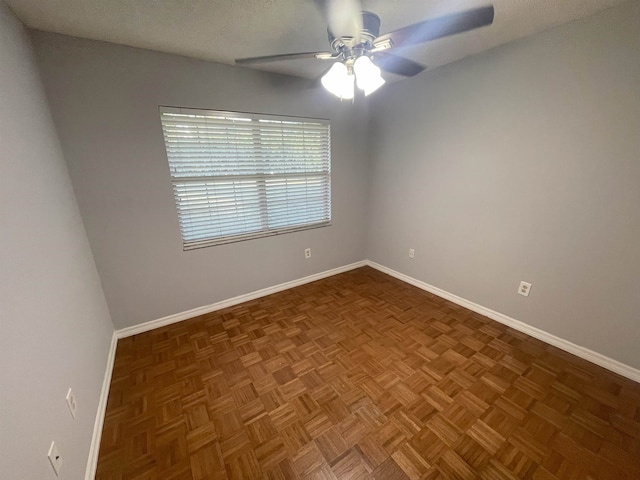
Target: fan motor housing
x: 370, y: 31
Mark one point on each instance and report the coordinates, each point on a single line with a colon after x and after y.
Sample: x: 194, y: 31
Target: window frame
x: 261, y: 178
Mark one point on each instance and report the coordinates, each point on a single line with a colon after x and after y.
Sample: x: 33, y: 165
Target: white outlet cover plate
x: 524, y: 289
x: 55, y: 458
x: 412, y: 253
x: 71, y: 403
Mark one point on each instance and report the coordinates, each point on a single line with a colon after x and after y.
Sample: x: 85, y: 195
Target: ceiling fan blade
x: 437, y: 27
x: 398, y: 65
x: 285, y: 56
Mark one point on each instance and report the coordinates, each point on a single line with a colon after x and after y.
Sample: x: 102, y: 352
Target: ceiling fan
x: 359, y: 51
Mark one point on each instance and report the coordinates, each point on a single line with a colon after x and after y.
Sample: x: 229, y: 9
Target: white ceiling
x: 221, y: 30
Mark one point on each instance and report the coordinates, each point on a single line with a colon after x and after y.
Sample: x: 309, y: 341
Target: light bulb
x: 338, y: 81
x: 367, y: 75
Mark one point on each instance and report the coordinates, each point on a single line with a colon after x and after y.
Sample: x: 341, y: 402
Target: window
x: 238, y: 176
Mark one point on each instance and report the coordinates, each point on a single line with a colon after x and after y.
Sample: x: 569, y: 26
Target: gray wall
x: 105, y: 101
x: 522, y: 163
x: 55, y: 328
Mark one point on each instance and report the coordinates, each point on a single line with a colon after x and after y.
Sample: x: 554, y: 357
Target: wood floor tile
x: 361, y: 376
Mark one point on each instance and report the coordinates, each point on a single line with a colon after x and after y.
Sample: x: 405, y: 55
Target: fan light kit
x: 360, y: 53
x: 339, y: 80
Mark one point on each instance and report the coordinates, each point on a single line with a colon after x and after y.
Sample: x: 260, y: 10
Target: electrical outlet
x: 412, y: 253
x: 55, y: 458
x: 71, y: 403
x: 524, y: 289
x: 307, y: 253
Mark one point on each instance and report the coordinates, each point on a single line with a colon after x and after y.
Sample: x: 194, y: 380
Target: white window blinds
x: 238, y: 176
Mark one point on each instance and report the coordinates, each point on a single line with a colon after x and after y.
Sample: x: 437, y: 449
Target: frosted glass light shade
x: 338, y: 81
x: 367, y: 75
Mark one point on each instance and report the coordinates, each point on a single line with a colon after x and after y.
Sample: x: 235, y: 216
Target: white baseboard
x: 582, y: 352
x: 178, y: 317
x: 94, y: 449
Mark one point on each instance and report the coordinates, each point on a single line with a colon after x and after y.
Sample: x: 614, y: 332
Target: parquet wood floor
x: 361, y: 376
